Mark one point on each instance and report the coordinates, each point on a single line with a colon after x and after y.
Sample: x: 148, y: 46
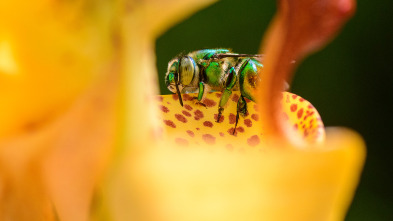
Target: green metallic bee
x: 215, y: 70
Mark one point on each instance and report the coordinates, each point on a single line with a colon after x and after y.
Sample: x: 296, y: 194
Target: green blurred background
x: 350, y: 81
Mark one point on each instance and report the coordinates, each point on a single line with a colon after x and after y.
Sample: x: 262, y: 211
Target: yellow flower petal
x: 53, y: 53
x: 196, y: 124
x: 139, y: 28
x: 57, y: 117
x: 191, y: 183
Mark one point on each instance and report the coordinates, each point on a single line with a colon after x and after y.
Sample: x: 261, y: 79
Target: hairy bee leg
x: 201, y: 93
x: 200, y: 103
x: 237, y: 120
x: 230, y: 83
x: 241, y: 108
x: 224, y: 99
x: 220, y: 110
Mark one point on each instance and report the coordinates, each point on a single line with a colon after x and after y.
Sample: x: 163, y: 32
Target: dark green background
x: 350, y: 82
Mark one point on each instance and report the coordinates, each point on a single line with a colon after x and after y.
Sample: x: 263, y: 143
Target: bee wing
x: 233, y: 55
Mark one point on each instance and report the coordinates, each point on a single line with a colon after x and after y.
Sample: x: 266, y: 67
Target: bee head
x: 172, y: 75
x: 181, y: 72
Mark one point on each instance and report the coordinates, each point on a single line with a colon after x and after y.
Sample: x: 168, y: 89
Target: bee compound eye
x: 187, y: 69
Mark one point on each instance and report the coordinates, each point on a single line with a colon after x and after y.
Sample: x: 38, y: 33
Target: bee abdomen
x: 252, y: 81
x: 248, y: 78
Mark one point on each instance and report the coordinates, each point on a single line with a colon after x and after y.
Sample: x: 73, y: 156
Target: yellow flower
x: 198, y: 171
x: 79, y: 113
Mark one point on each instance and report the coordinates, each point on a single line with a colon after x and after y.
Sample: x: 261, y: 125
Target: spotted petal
x: 197, y: 124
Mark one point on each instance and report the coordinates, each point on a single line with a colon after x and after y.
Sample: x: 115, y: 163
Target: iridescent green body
x: 215, y: 70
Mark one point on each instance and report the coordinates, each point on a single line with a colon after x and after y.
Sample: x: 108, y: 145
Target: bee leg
x: 241, y: 108
x: 220, y: 110
x: 230, y: 83
x: 237, y: 120
x: 201, y: 93
x: 200, y: 103
x: 224, y: 99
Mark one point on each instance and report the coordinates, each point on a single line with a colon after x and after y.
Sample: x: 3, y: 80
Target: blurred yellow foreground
x: 78, y: 130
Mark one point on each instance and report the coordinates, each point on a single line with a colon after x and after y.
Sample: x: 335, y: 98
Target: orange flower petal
x: 299, y: 27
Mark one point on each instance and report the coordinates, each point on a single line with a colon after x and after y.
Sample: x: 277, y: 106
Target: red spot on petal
x: 247, y: 100
x: 198, y: 114
x: 235, y: 97
x: 209, y: 139
x: 300, y: 113
x: 159, y: 98
x: 293, y: 107
x: 197, y: 128
x: 181, y: 118
x: 175, y: 97
x: 308, y: 114
x: 253, y: 140
x: 190, y: 133
x: 301, y: 99
x: 218, y: 95
x: 295, y: 126
x: 255, y: 117
x: 221, y: 134
x: 240, y: 129
x: 256, y: 107
x: 221, y: 118
x: 187, y: 97
x: 188, y: 107
x: 181, y: 141
x: 164, y: 109
x: 209, y: 103
x: 208, y: 124
x: 248, y: 122
x: 170, y: 123
x: 232, y: 118
x: 186, y: 113
x: 230, y: 131
x: 294, y: 96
